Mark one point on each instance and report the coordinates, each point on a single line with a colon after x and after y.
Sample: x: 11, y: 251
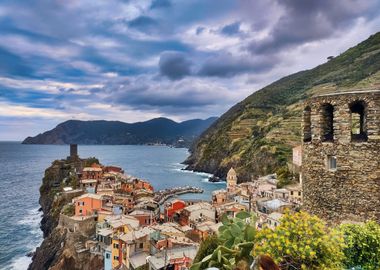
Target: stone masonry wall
x: 352, y: 192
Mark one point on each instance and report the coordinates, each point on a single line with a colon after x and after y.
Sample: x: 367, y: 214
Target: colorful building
x: 171, y: 208
x: 88, y: 204
x: 107, y: 258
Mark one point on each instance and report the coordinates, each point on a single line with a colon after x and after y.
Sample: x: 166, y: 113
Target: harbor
x: 163, y: 195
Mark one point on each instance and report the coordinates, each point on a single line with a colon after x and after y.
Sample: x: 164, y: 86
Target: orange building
x: 88, y: 204
x: 173, y: 207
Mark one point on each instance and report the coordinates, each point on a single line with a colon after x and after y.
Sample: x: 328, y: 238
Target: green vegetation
x: 236, y: 240
x: 207, y: 247
x: 363, y: 245
x: 301, y: 241
x: 90, y: 161
x: 68, y: 210
x: 273, y: 115
x: 284, y: 177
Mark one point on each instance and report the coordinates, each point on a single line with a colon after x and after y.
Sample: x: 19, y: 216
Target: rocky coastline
x: 57, y: 250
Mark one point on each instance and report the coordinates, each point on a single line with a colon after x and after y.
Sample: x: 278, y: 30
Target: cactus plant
x: 236, y: 238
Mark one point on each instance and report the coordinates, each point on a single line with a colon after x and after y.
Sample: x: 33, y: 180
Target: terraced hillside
x: 256, y: 135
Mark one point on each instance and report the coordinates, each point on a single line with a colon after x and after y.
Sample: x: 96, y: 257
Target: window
x: 291, y: 193
x: 116, y: 246
x: 307, y: 124
x: 327, y: 123
x: 108, y: 256
x: 141, y: 245
x: 116, y: 258
x: 358, y: 121
x: 331, y: 163
x: 299, y: 193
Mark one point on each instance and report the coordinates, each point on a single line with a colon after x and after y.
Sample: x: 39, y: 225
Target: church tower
x: 231, y: 180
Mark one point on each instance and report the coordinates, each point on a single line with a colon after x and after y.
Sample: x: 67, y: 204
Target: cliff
x: 59, y: 248
x: 256, y: 136
x: 159, y: 130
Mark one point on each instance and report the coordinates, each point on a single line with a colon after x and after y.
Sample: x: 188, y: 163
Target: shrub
x: 68, y: 210
x: 284, y: 176
x: 236, y: 239
x: 363, y: 245
x: 89, y: 161
x: 301, y: 241
x: 207, y: 247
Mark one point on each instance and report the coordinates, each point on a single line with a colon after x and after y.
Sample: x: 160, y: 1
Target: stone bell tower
x: 231, y: 180
x: 341, y: 156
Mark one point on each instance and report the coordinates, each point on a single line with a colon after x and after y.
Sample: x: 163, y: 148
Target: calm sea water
x: 22, y: 168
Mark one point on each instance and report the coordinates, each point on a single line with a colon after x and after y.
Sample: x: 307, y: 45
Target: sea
x: 22, y: 168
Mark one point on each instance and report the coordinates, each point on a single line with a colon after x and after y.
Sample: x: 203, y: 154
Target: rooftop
x: 105, y: 232
x: 138, y: 212
x: 92, y: 169
x: 281, y: 190
x: 121, y: 220
x: 89, y: 195
x: 275, y: 216
x: 158, y: 260
x: 88, y: 181
x: 274, y: 204
x: 133, y: 235
x: 198, y: 206
x: 138, y: 259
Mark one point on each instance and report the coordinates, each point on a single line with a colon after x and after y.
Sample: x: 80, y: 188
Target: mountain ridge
x: 154, y: 131
x: 256, y: 135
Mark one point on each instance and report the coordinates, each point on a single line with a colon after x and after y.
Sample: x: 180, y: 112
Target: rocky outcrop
x: 59, y: 251
x: 61, y: 248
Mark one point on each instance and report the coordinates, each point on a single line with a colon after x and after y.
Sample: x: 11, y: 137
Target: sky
x: 182, y: 59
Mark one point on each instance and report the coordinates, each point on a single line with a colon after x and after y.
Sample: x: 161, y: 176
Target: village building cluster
x: 135, y: 227
x: 129, y: 224
x: 260, y: 196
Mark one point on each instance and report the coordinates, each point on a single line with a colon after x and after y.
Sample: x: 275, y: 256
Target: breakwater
x: 161, y: 196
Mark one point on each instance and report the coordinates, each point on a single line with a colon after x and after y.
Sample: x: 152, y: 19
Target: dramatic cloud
x: 132, y: 60
x: 174, y: 65
x: 231, y: 29
x: 227, y: 65
x: 307, y: 21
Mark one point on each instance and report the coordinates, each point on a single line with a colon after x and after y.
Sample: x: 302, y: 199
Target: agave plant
x: 236, y: 238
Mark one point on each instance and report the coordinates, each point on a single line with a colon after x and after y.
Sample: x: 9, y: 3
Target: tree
x: 363, y: 245
x: 301, y: 241
x: 284, y: 177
